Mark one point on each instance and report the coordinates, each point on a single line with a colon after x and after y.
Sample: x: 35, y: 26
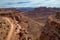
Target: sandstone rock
x: 51, y: 31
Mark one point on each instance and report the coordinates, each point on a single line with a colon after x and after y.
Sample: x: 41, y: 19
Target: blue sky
x: 29, y: 3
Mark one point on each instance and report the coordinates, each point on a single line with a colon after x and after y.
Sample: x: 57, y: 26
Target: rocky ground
x: 15, y: 26
x: 18, y: 26
x: 51, y: 31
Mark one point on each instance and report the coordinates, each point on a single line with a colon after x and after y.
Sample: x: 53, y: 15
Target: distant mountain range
x: 39, y: 9
x: 25, y: 9
x: 41, y: 13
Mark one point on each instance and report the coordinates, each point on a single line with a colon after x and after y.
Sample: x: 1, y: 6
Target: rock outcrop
x: 51, y: 31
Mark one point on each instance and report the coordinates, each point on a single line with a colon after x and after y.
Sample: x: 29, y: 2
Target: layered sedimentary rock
x: 51, y: 31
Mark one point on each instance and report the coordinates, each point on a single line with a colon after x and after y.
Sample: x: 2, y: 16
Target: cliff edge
x: 51, y: 31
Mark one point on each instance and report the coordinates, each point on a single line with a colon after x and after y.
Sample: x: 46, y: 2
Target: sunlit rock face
x: 51, y: 31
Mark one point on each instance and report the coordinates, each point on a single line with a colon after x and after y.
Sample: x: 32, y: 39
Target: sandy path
x: 11, y: 29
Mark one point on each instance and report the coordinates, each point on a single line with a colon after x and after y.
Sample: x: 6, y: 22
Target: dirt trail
x: 11, y: 29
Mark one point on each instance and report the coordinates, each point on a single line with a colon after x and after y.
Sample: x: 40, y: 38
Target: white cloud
x: 30, y: 3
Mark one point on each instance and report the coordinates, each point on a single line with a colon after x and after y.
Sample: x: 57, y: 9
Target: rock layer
x: 51, y: 31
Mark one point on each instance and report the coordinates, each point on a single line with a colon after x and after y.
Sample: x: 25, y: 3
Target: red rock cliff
x: 51, y: 30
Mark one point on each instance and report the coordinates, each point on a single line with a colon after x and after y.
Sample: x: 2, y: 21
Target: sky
x: 29, y: 3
